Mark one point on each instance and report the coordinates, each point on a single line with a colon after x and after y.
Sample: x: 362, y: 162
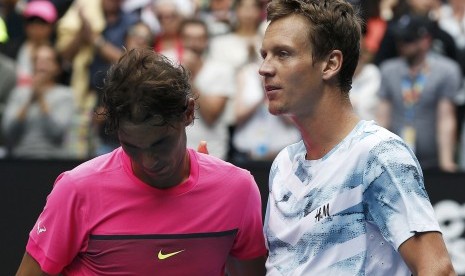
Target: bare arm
x: 254, y: 267
x: 29, y: 267
x: 106, y: 50
x: 446, y: 135
x: 383, y: 115
x: 82, y: 38
x: 86, y: 36
x: 426, y: 254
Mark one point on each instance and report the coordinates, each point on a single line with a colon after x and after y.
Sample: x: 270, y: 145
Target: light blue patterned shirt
x: 348, y: 212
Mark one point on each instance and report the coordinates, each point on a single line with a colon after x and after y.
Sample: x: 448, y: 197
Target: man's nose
x: 266, y: 68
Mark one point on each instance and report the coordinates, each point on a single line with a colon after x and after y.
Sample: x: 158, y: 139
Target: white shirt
x: 348, y: 212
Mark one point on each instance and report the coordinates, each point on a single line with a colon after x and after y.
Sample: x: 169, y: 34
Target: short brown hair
x: 334, y: 25
x: 142, y: 85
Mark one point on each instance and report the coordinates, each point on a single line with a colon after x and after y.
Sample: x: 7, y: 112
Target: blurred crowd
x: 54, y: 55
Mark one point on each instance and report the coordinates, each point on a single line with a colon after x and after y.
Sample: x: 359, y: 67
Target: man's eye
x: 283, y: 53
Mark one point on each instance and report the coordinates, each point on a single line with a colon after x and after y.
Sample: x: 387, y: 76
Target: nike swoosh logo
x: 162, y: 256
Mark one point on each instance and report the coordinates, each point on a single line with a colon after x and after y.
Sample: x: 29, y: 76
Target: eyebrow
x: 151, y: 145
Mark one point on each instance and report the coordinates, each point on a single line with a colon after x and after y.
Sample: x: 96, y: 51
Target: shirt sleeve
x: 395, y: 195
x: 250, y: 241
x: 60, y: 231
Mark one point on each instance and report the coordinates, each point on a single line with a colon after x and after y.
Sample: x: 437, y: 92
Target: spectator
x: 219, y: 16
x: 442, y: 43
x: 40, y: 17
x: 139, y: 35
x: 417, y: 96
x: 91, y: 36
x: 233, y: 48
x: 168, y: 41
x: 152, y: 198
x: 212, y: 85
x: 37, y: 118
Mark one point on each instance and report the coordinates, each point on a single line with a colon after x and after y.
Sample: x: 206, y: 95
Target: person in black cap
x: 442, y: 42
x: 417, y: 94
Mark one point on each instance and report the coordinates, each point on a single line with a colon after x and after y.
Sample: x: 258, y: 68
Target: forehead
x: 141, y: 28
x: 289, y: 31
x: 145, y: 133
x: 194, y: 29
x: 166, y: 8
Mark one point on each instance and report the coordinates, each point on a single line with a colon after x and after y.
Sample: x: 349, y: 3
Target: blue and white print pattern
x: 348, y: 212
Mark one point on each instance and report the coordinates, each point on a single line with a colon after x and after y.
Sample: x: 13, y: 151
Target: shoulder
x: 374, y: 138
x: 287, y: 156
x: 215, y: 166
x: 444, y: 64
x: 391, y: 65
x: 215, y: 172
x: 386, y: 152
x: 91, y: 172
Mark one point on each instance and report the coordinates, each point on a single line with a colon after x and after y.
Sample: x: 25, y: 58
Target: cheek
x: 300, y: 76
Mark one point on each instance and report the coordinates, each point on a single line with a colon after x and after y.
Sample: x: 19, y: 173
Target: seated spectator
x: 40, y: 17
x: 37, y: 117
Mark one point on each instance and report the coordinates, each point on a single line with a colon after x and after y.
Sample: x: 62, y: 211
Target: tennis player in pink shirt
x: 152, y: 206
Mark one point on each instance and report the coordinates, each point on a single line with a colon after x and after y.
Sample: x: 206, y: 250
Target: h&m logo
x: 322, y: 212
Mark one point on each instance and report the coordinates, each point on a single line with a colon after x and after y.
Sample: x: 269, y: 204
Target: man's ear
x: 332, y: 65
x: 189, y: 119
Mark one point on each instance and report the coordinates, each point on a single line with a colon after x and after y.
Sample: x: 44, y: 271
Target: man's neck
x: 417, y: 65
x: 322, y: 132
